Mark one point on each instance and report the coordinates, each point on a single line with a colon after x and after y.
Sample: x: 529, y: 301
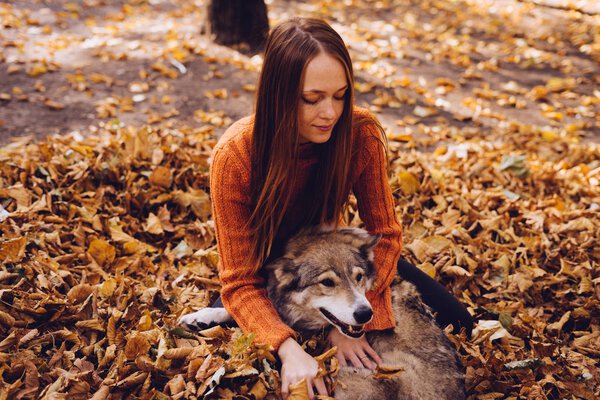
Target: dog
x: 321, y: 281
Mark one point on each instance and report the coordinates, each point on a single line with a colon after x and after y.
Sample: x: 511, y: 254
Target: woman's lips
x: 324, y: 128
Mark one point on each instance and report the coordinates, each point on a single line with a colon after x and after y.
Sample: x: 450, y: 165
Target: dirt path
x: 467, y: 67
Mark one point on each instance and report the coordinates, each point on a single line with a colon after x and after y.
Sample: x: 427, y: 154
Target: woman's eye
x: 359, y: 277
x: 310, y: 101
x: 339, y: 98
x: 328, y: 282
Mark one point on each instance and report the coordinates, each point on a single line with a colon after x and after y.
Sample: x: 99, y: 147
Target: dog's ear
x: 369, y: 245
x: 282, y: 271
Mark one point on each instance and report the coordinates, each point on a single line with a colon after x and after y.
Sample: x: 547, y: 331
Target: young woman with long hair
x: 293, y: 164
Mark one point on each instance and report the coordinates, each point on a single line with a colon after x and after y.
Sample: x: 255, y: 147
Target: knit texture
x: 244, y: 295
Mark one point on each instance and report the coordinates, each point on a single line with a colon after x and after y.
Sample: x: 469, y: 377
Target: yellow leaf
x: 428, y: 268
x: 401, y: 137
x: 408, y: 183
x: 130, y: 248
x: 436, y: 175
x: 549, y: 135
x: 108, y: 287
x: 36, y: 70
x: 299, y: 391
x: 180, y: 54
x: 102, y: 252
x: 83, y: 150
x: 259, y: 390
x: 145, y: 321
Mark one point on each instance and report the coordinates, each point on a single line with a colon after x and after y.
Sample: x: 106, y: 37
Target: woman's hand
x: 297, y: 365
x: 357, y: 352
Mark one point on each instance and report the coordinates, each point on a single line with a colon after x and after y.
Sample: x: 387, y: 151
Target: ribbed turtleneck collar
x: 309, y: 150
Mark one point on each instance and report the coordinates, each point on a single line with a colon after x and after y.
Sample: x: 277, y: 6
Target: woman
x: 292, y: 165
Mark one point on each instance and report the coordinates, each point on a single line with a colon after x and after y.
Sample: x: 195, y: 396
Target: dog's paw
x: 205, y: 318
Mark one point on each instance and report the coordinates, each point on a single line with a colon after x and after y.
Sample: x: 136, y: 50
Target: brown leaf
x: 7, y: 319
x: 153, y: 225
x: 178, y: 353
x: 79, y: 293
x: 137, y: 345
x: 13, y: 250
x: 137, y: 378
x: 102, y: 393
x: 387, y: 371
x: 54, y: 105
x: 162, y: 176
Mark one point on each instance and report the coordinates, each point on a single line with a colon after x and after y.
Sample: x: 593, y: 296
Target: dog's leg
x: 205, y: 318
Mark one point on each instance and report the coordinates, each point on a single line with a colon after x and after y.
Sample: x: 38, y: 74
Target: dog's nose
x: 363, y: 314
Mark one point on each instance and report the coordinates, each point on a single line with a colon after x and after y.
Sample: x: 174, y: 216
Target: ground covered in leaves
x: 106, y: 232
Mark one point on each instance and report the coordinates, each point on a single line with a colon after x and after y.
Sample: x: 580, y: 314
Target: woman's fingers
x: 341, y: 359
x: 353, y: 358
x: 373, y: 354
x: 311, y: 392
x: 366, y: 361
x: 320, y: 386
x: 284, y: 387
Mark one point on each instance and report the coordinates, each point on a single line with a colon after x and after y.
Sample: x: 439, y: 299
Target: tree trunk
x: 238, y: 22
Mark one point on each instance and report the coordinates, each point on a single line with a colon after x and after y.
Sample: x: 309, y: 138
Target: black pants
x: 447, y: 307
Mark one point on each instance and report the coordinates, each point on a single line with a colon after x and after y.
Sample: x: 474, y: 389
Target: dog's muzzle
x: 354, y: 331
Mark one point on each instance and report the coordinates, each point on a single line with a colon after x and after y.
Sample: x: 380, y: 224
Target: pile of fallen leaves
x: 106, y: 240
x: 510, y: 223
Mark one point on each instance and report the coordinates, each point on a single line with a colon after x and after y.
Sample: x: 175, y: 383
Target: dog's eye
x: 359, y: 277
x: 328, y: 282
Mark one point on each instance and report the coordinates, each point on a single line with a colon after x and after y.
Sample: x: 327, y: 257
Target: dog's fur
x: 321, y: 280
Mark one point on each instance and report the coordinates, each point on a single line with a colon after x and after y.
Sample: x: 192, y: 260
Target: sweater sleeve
x: 376, y: 210
x: 244, y: 295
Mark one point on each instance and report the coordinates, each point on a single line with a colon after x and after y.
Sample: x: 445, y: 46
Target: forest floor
x: 108, y: 114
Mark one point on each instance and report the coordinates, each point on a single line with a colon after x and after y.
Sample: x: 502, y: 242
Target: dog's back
x: 431, y: 366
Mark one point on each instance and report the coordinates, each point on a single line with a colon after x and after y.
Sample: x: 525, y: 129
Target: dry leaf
x: 102, y: 252
x: 137, y: 345
x: 162, y: 176
x: 387, y: 371
x: 13, y: 250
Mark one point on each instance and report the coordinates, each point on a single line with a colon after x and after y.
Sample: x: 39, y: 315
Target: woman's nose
x: 328, y: 111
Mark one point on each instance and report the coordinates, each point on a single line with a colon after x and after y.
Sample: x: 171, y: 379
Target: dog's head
x: 322, y: 278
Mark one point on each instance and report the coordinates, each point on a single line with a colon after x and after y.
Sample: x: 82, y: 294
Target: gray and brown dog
x: 321, y: 280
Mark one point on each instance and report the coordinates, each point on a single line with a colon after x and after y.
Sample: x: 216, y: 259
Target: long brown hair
x: 275, y: 140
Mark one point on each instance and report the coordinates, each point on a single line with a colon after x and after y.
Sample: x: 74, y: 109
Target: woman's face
x: 322, y: 99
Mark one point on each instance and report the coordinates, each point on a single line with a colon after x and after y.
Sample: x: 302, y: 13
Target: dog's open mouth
x: 354, y: 331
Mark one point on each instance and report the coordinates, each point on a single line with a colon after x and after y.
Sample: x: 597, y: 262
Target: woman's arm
x: 243, y: 293
x: 376, y: 210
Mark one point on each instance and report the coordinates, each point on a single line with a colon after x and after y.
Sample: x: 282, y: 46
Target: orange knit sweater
x: 246, y: 298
